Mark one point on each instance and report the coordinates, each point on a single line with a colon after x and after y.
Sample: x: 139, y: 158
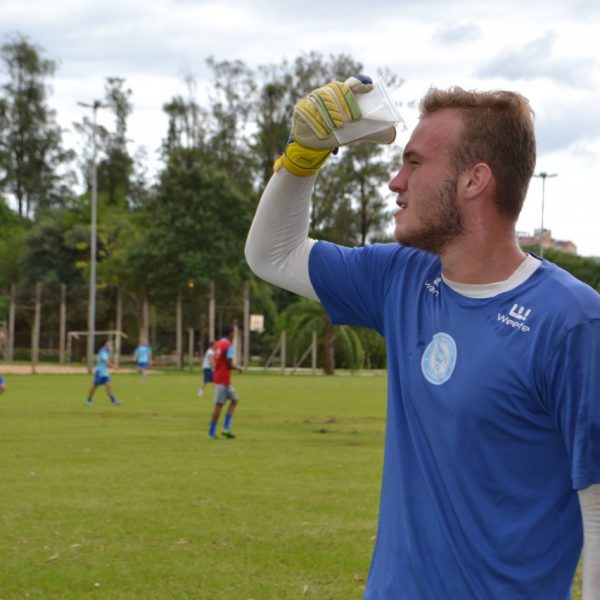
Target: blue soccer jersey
x: 143, y: 353
x: 102, y: 362
x: 493, y: 423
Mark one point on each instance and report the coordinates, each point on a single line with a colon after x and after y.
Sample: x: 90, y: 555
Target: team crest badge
x: 439, y: 359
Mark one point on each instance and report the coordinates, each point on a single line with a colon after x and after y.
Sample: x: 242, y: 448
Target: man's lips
x: 401, y: 206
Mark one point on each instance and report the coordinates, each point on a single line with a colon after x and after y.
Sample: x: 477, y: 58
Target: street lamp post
x: 543, y: 175
x: 93, y: 237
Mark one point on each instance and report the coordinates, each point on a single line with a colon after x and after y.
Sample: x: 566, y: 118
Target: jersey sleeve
x: 351, y: 282
x: 574, y: 389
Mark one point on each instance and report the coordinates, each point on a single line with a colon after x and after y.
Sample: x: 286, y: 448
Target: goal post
x: 75, y: 335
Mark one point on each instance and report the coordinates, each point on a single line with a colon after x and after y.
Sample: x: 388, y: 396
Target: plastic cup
x: 378, y: 110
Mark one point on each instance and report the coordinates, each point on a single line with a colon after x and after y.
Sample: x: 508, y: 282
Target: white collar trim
x: 488, y: 290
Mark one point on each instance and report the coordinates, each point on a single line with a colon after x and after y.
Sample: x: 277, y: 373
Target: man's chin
x: 400, y: 236
x: 426, y: 243
x: 406, y: 239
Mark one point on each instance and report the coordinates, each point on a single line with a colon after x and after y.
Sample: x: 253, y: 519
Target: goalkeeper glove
x: 314, y: 119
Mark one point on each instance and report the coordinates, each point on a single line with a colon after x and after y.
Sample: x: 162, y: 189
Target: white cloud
x: 535, y: 60
x: 456, y: 33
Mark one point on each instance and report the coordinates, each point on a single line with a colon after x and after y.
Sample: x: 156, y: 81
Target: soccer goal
x: 110, y: 333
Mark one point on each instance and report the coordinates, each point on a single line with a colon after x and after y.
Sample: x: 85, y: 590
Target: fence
x: 49, y: 321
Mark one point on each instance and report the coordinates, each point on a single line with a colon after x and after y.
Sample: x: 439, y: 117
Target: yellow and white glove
x: 314, y: 119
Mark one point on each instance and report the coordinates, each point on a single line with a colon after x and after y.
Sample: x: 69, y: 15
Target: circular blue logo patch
x: 439, y: 359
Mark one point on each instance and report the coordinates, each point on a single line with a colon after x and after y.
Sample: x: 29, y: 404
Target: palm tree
x: 304, y: 317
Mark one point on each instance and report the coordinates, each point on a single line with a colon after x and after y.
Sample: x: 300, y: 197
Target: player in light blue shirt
x: 101, y: 374
x: 491, y: 476
x: 143, y: 357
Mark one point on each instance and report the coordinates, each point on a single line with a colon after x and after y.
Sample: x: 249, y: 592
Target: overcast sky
x: 549, y: 51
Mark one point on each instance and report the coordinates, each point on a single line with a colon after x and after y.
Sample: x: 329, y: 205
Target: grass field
x: 135, y: 502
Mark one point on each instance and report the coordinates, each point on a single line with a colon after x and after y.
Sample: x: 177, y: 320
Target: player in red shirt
x: 223, y: 361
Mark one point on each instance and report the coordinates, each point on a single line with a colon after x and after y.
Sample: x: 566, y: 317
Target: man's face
x: 428, y: 215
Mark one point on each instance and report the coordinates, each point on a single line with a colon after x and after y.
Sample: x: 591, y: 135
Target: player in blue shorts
x: 491, y: 477
x: 101, y: 374
x: 143, y: 358
x: 207, y: 368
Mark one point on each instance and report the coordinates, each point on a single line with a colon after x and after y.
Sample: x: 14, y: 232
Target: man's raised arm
x: 278, y: 246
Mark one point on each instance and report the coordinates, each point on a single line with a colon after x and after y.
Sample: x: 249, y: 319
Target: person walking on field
x: 207, y: 368
x: 143, y: 358
x: 101, y: 374
x: 491, y: 476
x: 224, y: 391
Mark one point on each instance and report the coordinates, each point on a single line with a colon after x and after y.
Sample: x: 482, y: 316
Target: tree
x: 184, y: 129
x: 273, y: 123
x: 12, y: 231
x: 369, y: 168
x: 196, y: 224
x: 304, y: 317
x: 584, y: 268
x: 118, y: 182
x: 54, y: 250
x: 116, y: 169
x: 8, y: 219
x: 231, y: 103
x: 217, y: 133
x: 33, y: 162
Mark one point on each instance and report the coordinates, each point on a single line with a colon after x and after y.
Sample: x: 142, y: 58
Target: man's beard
x: 443, y: 223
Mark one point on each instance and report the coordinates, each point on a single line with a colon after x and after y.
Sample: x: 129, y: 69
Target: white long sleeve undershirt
x: 278, y: 245
x: 277, y: 250
x: 589, y: 500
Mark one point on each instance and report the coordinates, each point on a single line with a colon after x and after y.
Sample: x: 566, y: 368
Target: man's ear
x: 476, y: 180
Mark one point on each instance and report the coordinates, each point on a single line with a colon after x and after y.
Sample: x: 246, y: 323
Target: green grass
x: 134, y: 502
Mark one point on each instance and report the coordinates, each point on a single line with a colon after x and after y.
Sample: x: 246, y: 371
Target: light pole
x: 543, y: 175
x: 92, y: 300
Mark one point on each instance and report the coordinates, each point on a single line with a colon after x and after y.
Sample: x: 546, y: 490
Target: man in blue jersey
x: 101, y: 374
x: 491, y: 477
x: 143, y: 358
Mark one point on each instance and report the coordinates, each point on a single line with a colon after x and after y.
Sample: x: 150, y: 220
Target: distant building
x: 545, y: 237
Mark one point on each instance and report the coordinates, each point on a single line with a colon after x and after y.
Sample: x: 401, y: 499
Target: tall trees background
x: 184, y: 230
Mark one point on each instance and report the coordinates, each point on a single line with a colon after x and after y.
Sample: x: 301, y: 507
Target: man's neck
x: 481, y: 263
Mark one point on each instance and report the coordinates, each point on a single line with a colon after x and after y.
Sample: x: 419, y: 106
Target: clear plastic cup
x: 378, y: 110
